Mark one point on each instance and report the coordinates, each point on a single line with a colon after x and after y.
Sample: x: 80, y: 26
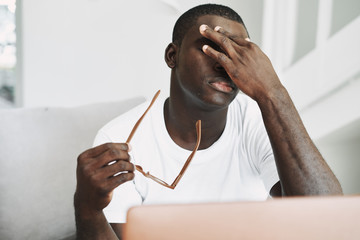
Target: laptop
x: 281, y: 219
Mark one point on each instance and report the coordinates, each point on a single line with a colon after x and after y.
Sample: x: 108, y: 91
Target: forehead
x: 233, y: 27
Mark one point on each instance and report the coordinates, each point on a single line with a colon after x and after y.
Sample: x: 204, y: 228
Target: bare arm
x: 96, y: 180
x: 301, y: 168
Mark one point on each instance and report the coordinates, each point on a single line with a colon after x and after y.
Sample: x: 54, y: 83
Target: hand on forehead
x: 233, y: 28
x: 221, y: 36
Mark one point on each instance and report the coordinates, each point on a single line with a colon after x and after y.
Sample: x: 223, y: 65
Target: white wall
x: 341, y: 150
x: 78, y: 52
x: 85, y: 51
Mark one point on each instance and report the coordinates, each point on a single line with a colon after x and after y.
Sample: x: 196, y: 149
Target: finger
x: 222, y: 59
x: 111, y: 156
x: 116, y: 168
x: 100, y: 176
x: 219, y: 57
x: 117, y: 180
x: 233, y: 37
x: 96, y: 151
x: 220, y: 39
x: 241, y: 40
x: 106, y: 187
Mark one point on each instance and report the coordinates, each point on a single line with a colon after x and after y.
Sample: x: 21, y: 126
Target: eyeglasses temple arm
x: 198, y: 140
x: 141, y: 118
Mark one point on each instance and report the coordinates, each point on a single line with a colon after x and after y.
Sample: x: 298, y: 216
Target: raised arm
x: 301, y: 168
x: 95, y: 185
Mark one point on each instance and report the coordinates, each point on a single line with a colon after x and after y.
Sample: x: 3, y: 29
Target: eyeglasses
x: 147, y: 174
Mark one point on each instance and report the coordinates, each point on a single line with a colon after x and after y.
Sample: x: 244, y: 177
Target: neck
x: 180, y: 120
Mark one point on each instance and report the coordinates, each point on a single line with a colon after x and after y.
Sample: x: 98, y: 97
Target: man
x: 247, y: 144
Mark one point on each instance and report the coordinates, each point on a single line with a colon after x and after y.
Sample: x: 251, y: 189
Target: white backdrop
x: 85, y: 51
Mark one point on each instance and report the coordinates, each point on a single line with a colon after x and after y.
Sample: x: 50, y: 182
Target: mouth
x: 222, y: 85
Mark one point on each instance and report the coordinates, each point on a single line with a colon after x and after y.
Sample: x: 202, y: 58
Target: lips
x: 222, y: 85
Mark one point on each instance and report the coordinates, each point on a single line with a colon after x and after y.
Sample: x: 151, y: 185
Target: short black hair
x: 189, y: 18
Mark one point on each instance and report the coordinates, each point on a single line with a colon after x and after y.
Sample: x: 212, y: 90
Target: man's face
x: 199, y: 77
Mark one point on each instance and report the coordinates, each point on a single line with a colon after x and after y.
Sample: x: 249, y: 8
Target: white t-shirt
x: 239, y: 166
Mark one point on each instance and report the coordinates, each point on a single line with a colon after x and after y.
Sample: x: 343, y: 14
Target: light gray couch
x: 38, y: 152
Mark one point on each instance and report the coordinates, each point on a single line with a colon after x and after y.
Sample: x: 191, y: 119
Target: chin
x: 220, y: 100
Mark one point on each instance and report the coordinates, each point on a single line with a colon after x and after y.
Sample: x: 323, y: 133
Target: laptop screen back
x: 289, y: 218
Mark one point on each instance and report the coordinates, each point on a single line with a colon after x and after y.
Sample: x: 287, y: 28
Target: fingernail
x: 248, y: 39
x: 203, y: 28
x: 129, y: 147
x: 217, y: 28
x: 205, y: 47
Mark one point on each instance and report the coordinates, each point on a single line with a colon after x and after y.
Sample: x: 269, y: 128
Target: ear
x: 170, y: 55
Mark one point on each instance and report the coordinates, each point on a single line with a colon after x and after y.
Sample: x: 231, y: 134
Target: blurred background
x: 69, y: 53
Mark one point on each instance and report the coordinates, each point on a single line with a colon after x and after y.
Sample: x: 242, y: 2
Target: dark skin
x: 208, y: 69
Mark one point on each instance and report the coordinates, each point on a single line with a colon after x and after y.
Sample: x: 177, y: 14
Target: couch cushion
x: 38, y: 152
